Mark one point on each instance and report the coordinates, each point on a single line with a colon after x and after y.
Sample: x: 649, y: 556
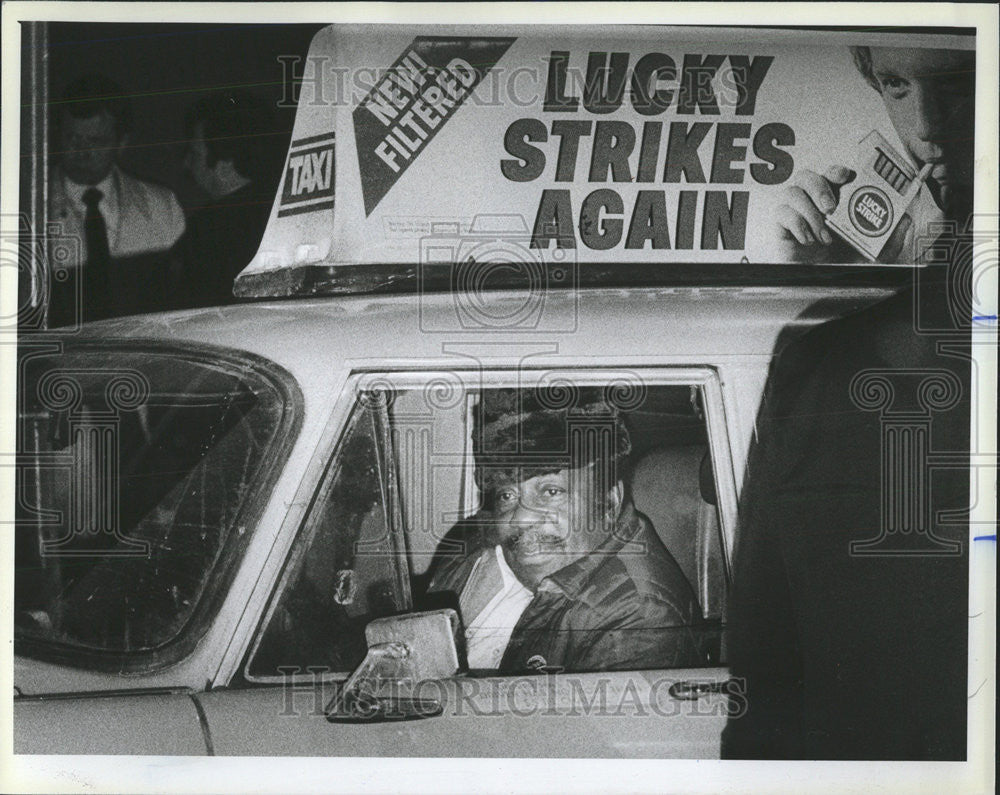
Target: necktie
x: 95, y: 280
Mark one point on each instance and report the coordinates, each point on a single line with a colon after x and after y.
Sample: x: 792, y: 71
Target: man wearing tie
x: 116, y: 220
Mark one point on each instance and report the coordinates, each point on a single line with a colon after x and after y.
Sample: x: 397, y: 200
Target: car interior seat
x: 673, y: 486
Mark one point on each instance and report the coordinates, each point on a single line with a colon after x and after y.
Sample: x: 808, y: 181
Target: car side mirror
x: 403, y: 651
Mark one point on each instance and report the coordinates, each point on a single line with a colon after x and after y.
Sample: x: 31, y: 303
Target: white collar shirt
x: 488, y: 633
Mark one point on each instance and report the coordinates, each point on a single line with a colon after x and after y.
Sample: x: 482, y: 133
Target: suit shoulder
x: 158, y: 205
x: 154, y: 191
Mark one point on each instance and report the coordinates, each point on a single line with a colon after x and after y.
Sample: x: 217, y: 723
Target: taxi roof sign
x: 611, y: 149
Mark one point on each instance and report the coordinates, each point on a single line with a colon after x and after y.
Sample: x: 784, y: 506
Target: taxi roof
x: 310, y: 337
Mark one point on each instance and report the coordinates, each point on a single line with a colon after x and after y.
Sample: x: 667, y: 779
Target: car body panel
x: 153, y: 723
x: 615, y: 714
x: 733, y: 329
x: 730, y: 321
x: 322, y: 343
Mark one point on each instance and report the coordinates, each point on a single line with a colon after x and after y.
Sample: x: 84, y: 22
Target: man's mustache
x: 529, y: 540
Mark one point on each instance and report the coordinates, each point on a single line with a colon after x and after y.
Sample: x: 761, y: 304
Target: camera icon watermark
x: 968, y: 288
x: 46, y: 282
x: 496, y: 279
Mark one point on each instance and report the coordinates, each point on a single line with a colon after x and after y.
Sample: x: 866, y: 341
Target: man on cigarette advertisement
x: 882, y: 204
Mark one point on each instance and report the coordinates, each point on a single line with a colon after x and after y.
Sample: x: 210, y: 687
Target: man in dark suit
x: 227, y: 156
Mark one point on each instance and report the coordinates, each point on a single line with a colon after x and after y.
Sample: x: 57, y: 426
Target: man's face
x: 548, y: 521
x: 89, y: 147
x: 196, y: 161
x: 929, y: 95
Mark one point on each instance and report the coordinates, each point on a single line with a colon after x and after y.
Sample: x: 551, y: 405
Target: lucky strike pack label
x: 870, y: 211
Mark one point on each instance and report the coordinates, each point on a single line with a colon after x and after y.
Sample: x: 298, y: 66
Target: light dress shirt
x: 488, y: 633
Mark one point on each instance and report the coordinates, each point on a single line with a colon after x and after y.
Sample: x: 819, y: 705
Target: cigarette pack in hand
x: 872, y: 205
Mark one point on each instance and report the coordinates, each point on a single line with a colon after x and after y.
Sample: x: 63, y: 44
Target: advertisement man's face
x: 548, y: 521
x: 929, y: 95
x: 89, y: 147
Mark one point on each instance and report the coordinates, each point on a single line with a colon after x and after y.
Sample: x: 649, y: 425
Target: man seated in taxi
x: 562, y: 573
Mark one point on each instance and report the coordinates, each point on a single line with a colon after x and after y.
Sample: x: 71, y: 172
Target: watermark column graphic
x: 593, y: 439
x: 905, y: 400
x: 90, y: 461
x: 965, y: 331
x: 413, y: 433
x: 416, y: 459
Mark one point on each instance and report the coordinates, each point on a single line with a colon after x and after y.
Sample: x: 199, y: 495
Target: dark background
x: 165, y: 69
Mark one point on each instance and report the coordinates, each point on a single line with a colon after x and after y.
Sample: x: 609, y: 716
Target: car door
x: 154, y: 722
x: 402, y: 475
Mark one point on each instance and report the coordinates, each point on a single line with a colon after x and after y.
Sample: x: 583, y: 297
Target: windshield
x: 141, y: 474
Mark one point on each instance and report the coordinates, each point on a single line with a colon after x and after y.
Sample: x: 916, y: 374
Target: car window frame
x: 306, y: 532
x: 273, y: 463
x: 361, y: 380
x: 705, y: 377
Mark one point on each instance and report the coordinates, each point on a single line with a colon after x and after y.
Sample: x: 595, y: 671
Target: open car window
x: 401, y: 503
x: 347, y: 568
x: 140, y: 482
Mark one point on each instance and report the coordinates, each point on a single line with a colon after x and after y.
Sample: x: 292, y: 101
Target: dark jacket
x: 626, y: 606
x: 221, y: 239
x: 848, y: 654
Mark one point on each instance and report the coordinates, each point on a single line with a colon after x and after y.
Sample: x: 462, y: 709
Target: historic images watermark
x: 906, y: 400
x: 589, y: 438
x: 970, y: 252
x: 312, y: 691
x: 651, y: 85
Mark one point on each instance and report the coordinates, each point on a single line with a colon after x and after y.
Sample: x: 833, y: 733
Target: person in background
x: 124, y: 225
x: 228, y: 135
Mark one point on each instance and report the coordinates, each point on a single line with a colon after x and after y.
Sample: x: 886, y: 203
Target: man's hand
x: 801, y: 231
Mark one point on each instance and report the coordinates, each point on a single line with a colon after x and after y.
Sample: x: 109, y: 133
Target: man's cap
x: 519, y: 434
